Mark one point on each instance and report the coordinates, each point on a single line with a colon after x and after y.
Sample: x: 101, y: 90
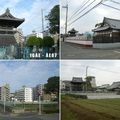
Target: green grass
x: 105, y: 109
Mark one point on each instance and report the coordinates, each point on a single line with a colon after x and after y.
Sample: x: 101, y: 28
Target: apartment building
x: 5, y: 93
x: 24, y: 95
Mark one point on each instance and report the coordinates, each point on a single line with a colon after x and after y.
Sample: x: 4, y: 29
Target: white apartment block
x: 24, y: 95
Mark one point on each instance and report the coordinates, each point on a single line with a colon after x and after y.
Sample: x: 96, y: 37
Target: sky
x: 87, y: 23
x: 105, y: 71
x: 28, y: 73
x: 30, y: 10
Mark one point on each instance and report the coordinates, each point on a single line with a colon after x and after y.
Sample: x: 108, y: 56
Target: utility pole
x: 40, y: 105
x: 42, y: 20
x: 66, y: 17
x: 87, y: 71
x: 86, y: 76
x: 4, y: 99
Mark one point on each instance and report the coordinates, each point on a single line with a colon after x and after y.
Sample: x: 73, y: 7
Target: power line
x: 85, y: 7
x: 74, y: 13
x: 86, y: 12
x: 111, y: 7
x: 114, y: 1
x: 106, y: 70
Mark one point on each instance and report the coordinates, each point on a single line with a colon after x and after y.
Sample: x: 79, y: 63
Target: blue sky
x: 30, y: 10
x: 29, y: 73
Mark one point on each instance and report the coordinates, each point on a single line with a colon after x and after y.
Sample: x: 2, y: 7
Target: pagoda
x: 8, y: 25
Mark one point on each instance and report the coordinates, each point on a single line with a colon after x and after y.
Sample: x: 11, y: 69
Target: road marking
x: 116, y: 51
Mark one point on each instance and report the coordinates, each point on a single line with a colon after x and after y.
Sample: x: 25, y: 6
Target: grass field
x: 84, y: 109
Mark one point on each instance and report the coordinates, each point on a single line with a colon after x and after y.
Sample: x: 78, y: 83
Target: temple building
x: 8, y: 43
x: 77, y: 84
x: 107, y: 34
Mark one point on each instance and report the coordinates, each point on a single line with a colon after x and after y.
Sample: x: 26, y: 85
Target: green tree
x: 52, y: 85
x: 40, y: 42
x: 34, y: 41
x: 31, y: 41
x: 53, y: 17
x: 48, y: 41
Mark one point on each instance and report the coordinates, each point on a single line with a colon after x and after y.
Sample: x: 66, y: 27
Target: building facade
x: 38, y: 90
x: 24, y: 95
x: 107, y: 34
x: 19, y: 36
x: 5, y: 93
x: 8, y: 43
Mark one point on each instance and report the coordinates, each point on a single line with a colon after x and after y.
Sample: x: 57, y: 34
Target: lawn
x: 84, y: 109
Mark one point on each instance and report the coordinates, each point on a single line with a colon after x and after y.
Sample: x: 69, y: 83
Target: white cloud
x: 88, y: 22
x: 105, y: 71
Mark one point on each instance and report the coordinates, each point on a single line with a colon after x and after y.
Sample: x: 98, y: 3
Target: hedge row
x: 77, y: 96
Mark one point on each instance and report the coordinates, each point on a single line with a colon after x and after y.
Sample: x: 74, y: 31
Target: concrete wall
x: 99, y: 95
x: 78, y: 40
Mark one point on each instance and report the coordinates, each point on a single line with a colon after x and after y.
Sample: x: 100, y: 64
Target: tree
x: 34, y: 41
x: 53, y: 17
x: 48, y: 41
x: 52, y: 85
x: 31, y: 41
x: 40, y: 42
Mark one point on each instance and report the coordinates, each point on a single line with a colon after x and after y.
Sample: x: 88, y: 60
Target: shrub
x: 48, y: 41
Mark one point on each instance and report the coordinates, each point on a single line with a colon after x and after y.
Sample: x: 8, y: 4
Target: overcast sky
x: 29, y: 73
x: 105, y: 71
x: 87, y: 23
x: 30, y: 10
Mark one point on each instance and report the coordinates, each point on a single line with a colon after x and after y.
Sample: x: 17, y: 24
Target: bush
x: 77, y: 96
x: 34, y: 41
x: 48, y: 41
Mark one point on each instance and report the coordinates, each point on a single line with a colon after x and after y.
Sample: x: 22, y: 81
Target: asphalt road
x: 31, y: 117
x: 74, y: 51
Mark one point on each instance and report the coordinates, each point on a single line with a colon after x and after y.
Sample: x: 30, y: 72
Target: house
x: 66, y: 85
x: 107, y: 34
x: 115, y: 86
x: 103, y: 88
x: 77, y: 84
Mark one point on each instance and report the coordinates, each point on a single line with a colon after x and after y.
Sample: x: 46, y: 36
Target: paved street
x: 74, y: 51
x: 31, y: 117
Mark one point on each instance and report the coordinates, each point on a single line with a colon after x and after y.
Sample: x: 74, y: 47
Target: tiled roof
x: 77, y: 79
x: 108, y: 23
x: 9, y: 16
x: 115, y: 85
